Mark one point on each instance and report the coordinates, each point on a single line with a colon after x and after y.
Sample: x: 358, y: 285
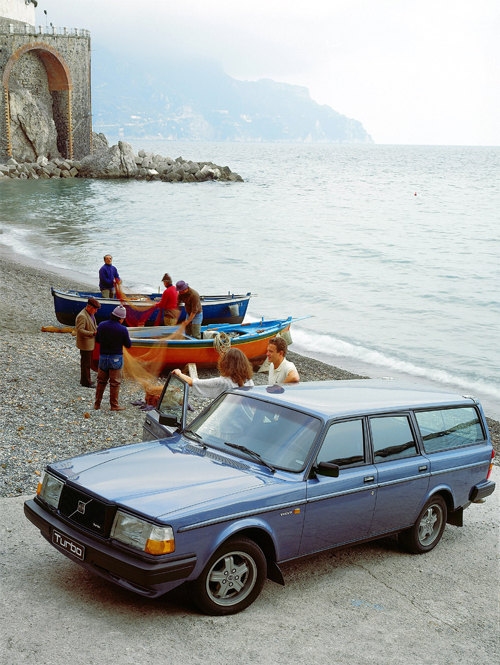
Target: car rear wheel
x: 232, y: 579
x: 426, y: 533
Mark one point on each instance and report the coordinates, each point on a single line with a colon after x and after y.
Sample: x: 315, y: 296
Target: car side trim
x: 331, y: 495
x: 408, y: 479
x: 237, y: 516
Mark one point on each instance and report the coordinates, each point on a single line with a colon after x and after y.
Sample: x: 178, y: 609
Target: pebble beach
x: 45, y: 414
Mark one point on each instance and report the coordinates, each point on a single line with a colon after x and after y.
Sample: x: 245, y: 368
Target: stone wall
x: 44, y: 71
x: 17, y: 11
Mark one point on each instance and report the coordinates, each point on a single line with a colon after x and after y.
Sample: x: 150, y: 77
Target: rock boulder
x: 33, y: 131
x: 117, y: 162
x: 99, y: 143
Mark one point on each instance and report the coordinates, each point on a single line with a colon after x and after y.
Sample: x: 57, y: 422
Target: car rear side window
x: 442, y: 429
x: 343, y: 444
x: 392, y: 438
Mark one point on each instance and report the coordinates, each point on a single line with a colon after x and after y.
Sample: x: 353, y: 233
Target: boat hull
x: 216, y: 309
x: 160, y: 356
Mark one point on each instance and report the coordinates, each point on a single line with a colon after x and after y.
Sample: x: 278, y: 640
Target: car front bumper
x: 145, y: 577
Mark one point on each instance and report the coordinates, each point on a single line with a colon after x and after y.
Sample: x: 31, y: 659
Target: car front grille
x: 86, y: 511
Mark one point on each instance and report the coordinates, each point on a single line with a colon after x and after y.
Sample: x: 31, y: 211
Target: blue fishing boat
x: 216, y: 309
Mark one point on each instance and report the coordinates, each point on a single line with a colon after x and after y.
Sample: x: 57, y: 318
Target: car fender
x: 231, y: 529
x: 445, y: 491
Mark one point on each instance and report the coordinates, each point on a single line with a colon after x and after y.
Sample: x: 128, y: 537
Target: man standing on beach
x: 168, y: 302
x: 112, y: 336
x: 280, y: 370
x: 86, y: 328
x: 194, y: 311
x: 107, y: 276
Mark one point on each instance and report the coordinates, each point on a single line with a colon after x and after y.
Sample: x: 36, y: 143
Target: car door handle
x: 369, y: 479
x: 422, y: 468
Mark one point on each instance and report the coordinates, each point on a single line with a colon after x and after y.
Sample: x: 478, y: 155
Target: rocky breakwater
x: 119, y: 161
x: 42, y: 169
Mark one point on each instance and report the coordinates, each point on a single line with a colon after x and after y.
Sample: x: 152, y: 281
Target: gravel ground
x: 45, y: 413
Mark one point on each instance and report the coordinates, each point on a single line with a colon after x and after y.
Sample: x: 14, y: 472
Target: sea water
x: 393, y: 251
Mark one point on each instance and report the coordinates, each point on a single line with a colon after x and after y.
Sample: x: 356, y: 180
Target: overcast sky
x: 411, y: 71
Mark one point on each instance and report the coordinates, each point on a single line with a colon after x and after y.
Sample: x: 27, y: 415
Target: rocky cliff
x: 32, y: 128
x: 181, y: 100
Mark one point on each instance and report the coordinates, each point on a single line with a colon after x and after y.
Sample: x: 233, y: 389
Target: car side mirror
x: 169, y: 421
x: 327, y: 469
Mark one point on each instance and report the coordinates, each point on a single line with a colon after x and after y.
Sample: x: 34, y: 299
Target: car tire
x: 232, y: 579
x: 426, y: 533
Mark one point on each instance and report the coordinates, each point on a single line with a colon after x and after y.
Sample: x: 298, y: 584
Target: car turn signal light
x: 159, y: 546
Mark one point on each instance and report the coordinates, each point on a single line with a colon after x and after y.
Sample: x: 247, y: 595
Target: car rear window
x: 442, y: 429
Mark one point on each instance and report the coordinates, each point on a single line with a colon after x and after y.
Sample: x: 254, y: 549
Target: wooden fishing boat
x: 151, y: 346
x: 216, y: 309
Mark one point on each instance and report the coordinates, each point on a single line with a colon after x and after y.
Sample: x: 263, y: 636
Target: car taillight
x: 491, y: 465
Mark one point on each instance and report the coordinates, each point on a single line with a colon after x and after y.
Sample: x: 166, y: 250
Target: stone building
x: 45, y: 104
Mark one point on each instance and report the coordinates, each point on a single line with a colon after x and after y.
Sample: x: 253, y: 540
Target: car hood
x: 161, y: 477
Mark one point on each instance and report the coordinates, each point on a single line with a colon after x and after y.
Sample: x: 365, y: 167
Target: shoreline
x: 82, y: 281
x: 47, y: 415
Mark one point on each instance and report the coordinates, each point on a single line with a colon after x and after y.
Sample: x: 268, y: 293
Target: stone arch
x: 60, y: 87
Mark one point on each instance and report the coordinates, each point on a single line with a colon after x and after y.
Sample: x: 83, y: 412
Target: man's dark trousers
x: 85, y: 360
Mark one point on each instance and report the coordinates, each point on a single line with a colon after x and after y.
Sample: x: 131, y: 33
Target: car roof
x: 329, y: 399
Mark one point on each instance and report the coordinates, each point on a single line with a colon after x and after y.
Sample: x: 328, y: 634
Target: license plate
x: 69, y: 545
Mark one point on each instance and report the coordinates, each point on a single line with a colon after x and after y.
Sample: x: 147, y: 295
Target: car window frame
x: 182, y: 425
x: 447, y: 408
x: 413, y: 428
x: 368, y: 453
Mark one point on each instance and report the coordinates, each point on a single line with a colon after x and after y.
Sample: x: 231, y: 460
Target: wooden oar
x: 55, y: 329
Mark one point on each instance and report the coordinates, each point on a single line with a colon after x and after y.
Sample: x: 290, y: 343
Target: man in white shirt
x: 280, y: 370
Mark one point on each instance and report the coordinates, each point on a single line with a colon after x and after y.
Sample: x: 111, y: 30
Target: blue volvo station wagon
x: 263, y: 476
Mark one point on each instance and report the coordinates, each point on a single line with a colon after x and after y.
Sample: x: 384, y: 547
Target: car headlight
x: 142, y: 535
x: 49, y: 489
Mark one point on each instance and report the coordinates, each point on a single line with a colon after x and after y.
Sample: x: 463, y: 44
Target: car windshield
x: 281, y: 436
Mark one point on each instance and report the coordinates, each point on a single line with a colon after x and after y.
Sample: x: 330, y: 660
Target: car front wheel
x: 426, y: 533
x: 232, y: 579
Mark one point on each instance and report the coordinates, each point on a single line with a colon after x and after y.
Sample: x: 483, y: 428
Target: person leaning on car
x: 280, y: 370
x: 86, y: 329
x: 112, y: 336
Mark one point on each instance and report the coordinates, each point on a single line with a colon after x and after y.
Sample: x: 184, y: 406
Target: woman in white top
x: 235, y: 371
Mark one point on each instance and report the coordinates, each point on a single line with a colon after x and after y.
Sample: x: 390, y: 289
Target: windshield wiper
x: 196, y: 436
x: 246, y: 450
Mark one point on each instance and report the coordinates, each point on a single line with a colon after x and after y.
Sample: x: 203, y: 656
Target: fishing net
x: 144, y: 370
x: 139, y: 308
